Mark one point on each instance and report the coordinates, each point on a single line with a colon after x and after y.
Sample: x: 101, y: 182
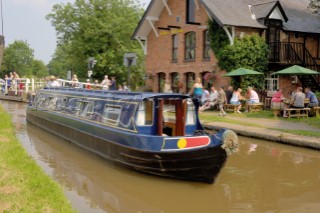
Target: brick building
x: 175, y: 38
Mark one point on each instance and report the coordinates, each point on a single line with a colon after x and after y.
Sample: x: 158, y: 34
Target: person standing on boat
x: 113, y: 85
x: 105, y: 83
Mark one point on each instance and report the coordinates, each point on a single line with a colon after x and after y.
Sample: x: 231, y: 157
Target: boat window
x: 191, y: 113
x: 61, y: 104
x: 111, y: 114
x: 46, y: 102
x: 145, y: 113
x: 87, y: 109
x: 40, y: 100
x: 79, y: 107
x: 169, y: 112
x: 52, y: 103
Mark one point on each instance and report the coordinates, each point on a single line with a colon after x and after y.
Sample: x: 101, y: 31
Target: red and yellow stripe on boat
x: 182, y: 143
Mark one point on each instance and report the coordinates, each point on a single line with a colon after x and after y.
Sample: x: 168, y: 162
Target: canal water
x: 262, y: 177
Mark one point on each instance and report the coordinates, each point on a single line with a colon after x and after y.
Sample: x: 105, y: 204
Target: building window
x: 190, y: 77
x: 191, y: 10
x: 271, y: 83
x: 175, y: 48
x: 206, y: 44
x: 161, y: 81
x: 175, y: 82
x: 190, y: 46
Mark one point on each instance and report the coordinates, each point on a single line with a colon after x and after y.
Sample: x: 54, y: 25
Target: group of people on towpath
x: 219, y: 97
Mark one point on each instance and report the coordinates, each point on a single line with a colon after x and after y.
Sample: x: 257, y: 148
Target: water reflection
x: 261, y: 177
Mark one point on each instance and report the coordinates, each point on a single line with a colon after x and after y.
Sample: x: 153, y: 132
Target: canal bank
x: 24, y: 187
x: 274, y: 129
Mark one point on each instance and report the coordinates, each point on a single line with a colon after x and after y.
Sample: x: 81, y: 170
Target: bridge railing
x: 67, y: 83
x: 25, y: 85
x: 20, y: 85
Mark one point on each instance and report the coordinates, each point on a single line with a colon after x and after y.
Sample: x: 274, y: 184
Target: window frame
x: 175, y: 45
x: 190, y: 46
x: 206, y: 45
x: 190, y: 12
x: 106, y: 120
x: 152, y: 114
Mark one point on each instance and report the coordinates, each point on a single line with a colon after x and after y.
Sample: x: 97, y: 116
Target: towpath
x: 277, y: 130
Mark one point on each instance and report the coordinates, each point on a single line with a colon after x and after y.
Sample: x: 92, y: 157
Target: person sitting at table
x: 212, y: 101
x: 229, y: 93
x: 298, y: 101
x: 253, y: 98
x: 277, y: 99
x: 312, y: 98
x: 235, y: 99
x: 205, y: 96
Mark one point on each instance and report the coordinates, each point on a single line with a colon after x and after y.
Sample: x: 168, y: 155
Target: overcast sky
x: 25, y: 20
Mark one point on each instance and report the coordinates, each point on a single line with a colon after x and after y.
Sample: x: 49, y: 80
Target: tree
x: 249, y: 52
x: 315, y: 6
x: 39, y: 69
x: 99, y: 29
x: 18, y: 57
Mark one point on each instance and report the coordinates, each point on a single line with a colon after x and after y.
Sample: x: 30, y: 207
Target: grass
x: 232, y: 118
x: 24, y: 187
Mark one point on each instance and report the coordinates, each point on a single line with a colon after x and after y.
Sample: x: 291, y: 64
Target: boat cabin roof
x: 138, y: 96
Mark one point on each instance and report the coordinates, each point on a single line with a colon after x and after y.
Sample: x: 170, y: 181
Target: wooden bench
x: 255, y: 107
x: 231, y: 107
x: 299, y: 112
x: 316, y: 111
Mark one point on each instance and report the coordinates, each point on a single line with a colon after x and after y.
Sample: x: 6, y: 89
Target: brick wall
x: 159, y: 57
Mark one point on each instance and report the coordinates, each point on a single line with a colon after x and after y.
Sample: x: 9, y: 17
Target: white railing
x: 26, y: 85
x: 21, y: 85
x: 67, y: 83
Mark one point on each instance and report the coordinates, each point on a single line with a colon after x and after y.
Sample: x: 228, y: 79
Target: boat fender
x: 230, y: 142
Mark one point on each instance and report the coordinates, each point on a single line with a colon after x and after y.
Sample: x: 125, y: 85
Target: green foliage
x: 30, y: 189
x: 314, y: 5
x: 249, y: 52
x: 218, y: 37
x: 39, y: 69
x: 101, y: 29
x: 317, y: 95
x: 19, y: 57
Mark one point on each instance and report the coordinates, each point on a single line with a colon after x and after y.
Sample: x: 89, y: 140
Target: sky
x: 25, y: 20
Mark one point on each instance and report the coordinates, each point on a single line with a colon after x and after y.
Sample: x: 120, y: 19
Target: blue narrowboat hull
x: 200, y: 164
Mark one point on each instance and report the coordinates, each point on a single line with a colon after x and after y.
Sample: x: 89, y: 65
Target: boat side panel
x: 200, y: 165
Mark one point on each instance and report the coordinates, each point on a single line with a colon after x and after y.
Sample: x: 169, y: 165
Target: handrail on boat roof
x: 118, y: 94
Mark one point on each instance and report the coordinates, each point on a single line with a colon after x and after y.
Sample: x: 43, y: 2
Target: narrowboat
x: 155, y: 133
